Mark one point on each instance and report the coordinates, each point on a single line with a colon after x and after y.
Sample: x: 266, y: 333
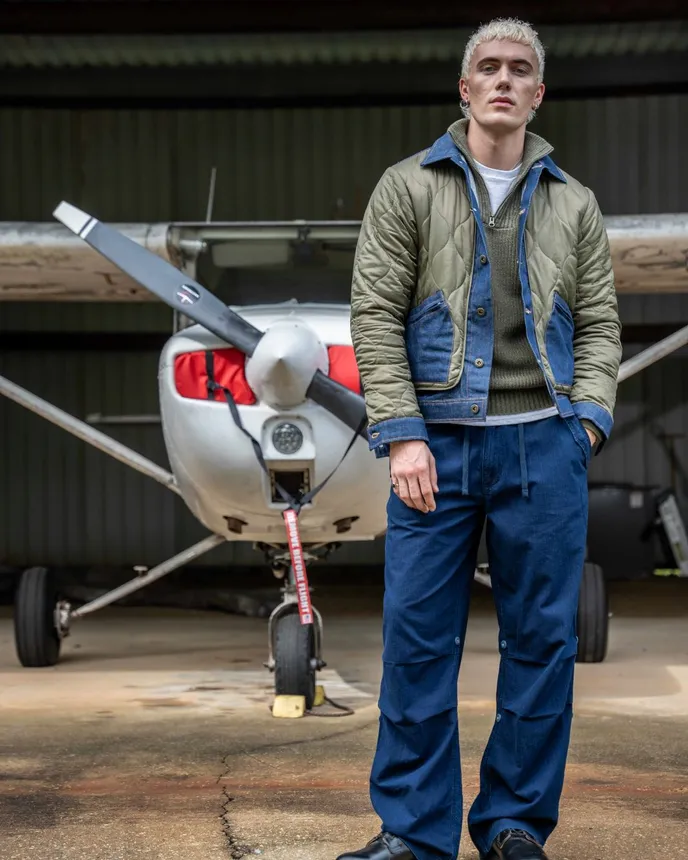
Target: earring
x: 465, y: 104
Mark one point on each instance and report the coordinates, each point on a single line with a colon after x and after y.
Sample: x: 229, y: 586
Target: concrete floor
x: 153, y: 737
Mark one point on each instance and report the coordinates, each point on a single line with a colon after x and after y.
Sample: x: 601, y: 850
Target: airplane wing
x: 47, y: 262
x: 649, y: 253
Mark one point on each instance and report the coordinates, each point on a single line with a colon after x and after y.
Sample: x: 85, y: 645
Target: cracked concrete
x: 153, y: 738
x: 235, y: 848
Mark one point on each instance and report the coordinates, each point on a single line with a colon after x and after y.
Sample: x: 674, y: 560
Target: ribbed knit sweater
x: 516, y: 382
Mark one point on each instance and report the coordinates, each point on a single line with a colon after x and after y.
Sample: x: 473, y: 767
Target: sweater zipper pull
x: 491, y: 222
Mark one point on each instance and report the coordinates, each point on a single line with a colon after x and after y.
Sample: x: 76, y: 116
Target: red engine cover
x: 191, y: 375
x: 343, y: 367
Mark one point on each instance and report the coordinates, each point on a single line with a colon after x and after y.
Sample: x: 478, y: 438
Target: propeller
x: 199, y: 304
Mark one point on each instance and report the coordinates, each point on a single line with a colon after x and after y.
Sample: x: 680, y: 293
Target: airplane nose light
x: 287, y: 438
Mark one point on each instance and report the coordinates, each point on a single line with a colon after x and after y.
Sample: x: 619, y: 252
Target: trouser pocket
x: 580, y: 436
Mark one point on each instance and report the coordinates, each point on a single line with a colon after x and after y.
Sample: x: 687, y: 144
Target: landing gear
x: 295, y: 648
x: 593, y: 616
x: 42, y: 620
x: 295, y: 660
x: 37, y: 618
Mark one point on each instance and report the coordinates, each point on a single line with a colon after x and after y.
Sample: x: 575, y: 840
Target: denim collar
x: 446, y: 148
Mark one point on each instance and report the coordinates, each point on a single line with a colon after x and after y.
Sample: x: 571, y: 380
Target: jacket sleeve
x: 597, y: 328
x: 384, y: 279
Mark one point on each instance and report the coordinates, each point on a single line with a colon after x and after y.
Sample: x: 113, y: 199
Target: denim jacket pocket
x: 559, y: 341
x: 430, y: 340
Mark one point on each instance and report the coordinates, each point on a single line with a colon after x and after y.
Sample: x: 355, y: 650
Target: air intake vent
x: 295, y: 483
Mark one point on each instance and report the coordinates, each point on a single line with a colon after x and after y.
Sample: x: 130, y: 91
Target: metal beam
x: 177, y: 561
x: 653, y: 354
x: 88, y: 434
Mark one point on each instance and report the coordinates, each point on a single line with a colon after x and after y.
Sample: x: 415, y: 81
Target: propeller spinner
x: 197, y: 303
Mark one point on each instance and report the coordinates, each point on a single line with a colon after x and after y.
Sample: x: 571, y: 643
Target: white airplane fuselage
x: 215, y: 464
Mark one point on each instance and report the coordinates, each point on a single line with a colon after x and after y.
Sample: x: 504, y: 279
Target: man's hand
x: 413, y: 468
x: 591, y: 436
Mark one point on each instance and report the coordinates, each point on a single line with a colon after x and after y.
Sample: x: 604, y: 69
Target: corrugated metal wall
x: 63, y: 503
x: 147, y: 165
x: 64, y: 500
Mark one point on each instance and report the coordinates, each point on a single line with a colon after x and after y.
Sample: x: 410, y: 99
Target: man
x: 486, y: 330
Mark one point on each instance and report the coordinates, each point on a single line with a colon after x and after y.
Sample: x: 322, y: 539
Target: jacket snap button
x: 481, y: 312
x: 483, y: 259
x: 528, y: 311
x: 479, y: 362
x: 475, y: 409
x: 374, y: 435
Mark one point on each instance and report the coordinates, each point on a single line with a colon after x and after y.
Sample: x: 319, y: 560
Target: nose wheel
x: 295, y: 660
x: 295, y: 648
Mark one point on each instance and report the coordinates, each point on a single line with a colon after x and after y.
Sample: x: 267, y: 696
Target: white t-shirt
x: 498, y: 182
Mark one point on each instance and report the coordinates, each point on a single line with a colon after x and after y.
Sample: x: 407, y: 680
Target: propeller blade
x: 343, y: 403
x: 161, y: 278
x: 183, y: 293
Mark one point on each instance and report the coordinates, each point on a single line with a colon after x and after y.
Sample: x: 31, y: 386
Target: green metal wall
x: 147, y: 165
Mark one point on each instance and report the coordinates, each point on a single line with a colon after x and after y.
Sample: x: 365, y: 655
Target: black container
x: 620, y: 534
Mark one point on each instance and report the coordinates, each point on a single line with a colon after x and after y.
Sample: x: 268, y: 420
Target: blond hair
x: 504, y: 30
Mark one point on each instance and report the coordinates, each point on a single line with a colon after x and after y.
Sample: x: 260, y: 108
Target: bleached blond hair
x: 504, y: 30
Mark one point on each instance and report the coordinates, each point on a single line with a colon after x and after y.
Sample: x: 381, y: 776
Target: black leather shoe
x: 385, y: 846
x: 515, y: 845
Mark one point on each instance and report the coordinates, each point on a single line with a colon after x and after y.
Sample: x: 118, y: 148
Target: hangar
x: 186, y: 123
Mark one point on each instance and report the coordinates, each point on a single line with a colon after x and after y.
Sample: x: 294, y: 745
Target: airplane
x: 262, y: 411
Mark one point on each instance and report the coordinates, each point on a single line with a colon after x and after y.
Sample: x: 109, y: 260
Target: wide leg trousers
x: 529, y: 483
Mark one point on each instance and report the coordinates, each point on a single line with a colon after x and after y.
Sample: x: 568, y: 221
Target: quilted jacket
x: 420, y: 296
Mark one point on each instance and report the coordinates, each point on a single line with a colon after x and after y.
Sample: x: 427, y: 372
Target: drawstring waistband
x: 522, y: 456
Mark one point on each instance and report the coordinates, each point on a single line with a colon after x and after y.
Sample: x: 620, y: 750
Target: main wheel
x: 35, y: 635
x: 593, y: 616
x: 294, y: 654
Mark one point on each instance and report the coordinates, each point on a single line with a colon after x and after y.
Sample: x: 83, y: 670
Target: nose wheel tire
x: 593, y: 616
x: 36, y: 638
x: 295, y: 658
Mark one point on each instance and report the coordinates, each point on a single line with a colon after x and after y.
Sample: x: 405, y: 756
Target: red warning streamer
x: 298, y: 564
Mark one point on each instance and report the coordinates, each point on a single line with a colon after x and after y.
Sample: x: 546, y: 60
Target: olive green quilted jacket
x: 418, y: 248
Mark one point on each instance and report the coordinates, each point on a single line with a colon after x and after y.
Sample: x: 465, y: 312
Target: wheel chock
x: 319, y: 698
x: 289, y: 707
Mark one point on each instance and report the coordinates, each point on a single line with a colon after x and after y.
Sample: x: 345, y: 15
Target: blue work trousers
x: 529, y: 483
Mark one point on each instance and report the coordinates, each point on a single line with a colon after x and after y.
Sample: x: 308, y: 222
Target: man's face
x: 502, y: 86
